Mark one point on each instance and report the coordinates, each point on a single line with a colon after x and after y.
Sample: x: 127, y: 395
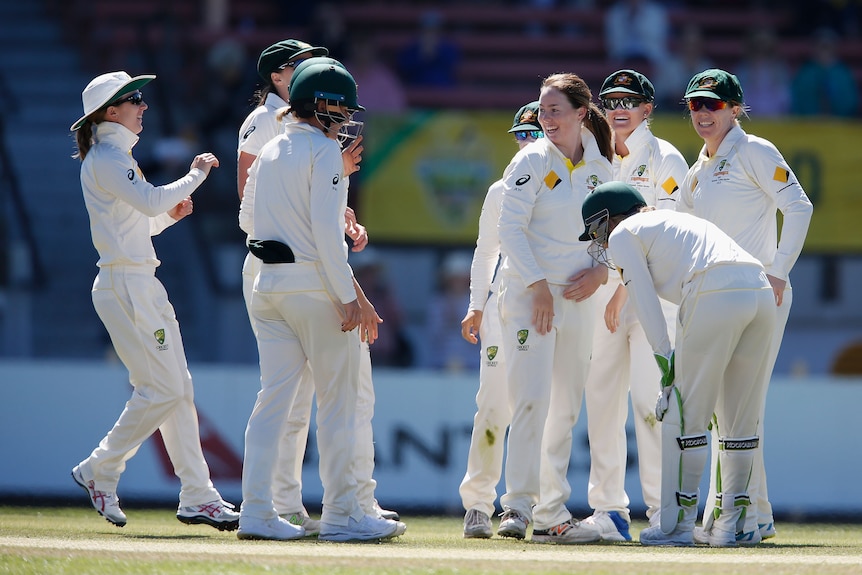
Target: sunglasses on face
x: 136, y: 98
x: 626, y: 103
x: 534, y: 134
x: 711, y: 104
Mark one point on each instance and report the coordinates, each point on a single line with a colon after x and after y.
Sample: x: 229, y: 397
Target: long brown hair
x: 84, y: 134
x: 579, y: 94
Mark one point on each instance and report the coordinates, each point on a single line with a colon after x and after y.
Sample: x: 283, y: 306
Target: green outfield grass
x: 76, y: 541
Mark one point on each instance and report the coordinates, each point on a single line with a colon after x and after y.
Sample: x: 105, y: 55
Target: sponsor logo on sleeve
x: 522, y: 180
x: 781, y: 175
x: 669, y: 186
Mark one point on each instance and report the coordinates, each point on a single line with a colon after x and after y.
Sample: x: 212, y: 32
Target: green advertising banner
x: 425, y: 175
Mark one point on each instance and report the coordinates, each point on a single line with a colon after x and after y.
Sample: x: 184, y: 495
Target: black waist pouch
x: 271, y: 251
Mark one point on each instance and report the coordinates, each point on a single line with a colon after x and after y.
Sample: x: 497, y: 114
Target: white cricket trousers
x: 298, y: 321
x: 722, y: 355
x: 623, y: 362
x: 760, y: 512
x: 547, y: 375
x: 141, y: 322
x: 485, y: 459
x: 287, y: 476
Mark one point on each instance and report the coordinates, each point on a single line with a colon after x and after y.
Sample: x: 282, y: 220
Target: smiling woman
x: 125, y: 211
x: 545, y: 305
x: 739, y: 182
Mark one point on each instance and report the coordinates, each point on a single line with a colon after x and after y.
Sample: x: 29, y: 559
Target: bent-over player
x: 723, y: 334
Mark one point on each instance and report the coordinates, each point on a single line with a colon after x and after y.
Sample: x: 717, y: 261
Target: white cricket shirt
x: 740, y: 188
x: 125, y: 209
x: 660, y: 251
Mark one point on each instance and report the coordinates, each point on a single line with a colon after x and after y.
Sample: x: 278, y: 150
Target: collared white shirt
x: 653, y: 167
x: 540, y: 218
x: 740, y: 189
x: 125, y: 209
x: 297, y: 194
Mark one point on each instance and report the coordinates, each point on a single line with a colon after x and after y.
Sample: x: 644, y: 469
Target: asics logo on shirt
x: 131, y: 175
x: 522, y: 180
x: 335, y: 180
x: 248, y: 132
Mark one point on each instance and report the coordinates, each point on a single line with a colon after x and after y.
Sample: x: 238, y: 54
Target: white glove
x: 663, y: 402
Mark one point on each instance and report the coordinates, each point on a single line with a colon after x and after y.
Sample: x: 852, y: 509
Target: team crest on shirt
x: 491, y: 352
x: 722, y: 172
x: 592, y: 181
x: 159, y: 334
x: 522, y: 336
x: 638, y: 175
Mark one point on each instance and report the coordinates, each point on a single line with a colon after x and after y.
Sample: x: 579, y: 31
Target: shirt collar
x: 115, y: 134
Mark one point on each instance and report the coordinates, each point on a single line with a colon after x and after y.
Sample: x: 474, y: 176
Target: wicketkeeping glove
x: 663, y: 402
x: 666, y: 365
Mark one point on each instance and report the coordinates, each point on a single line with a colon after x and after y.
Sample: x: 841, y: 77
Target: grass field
x: 76, y: 541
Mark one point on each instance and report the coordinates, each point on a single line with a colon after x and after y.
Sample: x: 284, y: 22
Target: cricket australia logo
x: 641, y: 169
x: 491, y: 353
x: 722, y: 172
x: 159, y: 334
x: 592, y: 181
x: 522, y: 335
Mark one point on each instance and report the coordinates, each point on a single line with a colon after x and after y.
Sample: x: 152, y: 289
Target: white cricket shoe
x: 477, y: 525
x: 717, y: 537
x: 311, y: 526
x: 105, y: 502
x: 385, y: 513
x: 513, y: 524
x: 369, y: 528
x: 611, y: 525
x: 567, y: 533
x: 767, y: 530
x: 655, y: 537
x: 219, y: 514
x: 275, y: 529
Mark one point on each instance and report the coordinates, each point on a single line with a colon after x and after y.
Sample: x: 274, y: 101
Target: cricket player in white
x: 622, y: 359
x: 739, y: 182
x: 305, y: 305
x: 485, y: 459
x: 125, y: 211
x: 276, y: 65
x: 723, y: 334
x: 546, y: 311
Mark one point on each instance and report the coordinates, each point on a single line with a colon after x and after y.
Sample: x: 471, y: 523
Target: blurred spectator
x: 824, y: 85
x: 378, y: 88
x: 230, y: 78
x: 329, y: 29
x: 765, y: 75
x: 392, y: 348
x: 430, y: 60
x: 687, y: 59
x: 636, y: 33
x: 840, y: 16
x: 447, y: 349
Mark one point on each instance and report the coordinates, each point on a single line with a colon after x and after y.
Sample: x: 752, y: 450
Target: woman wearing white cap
x: 125, y: 211
x: 622, y: 359
x: 739, y: 182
